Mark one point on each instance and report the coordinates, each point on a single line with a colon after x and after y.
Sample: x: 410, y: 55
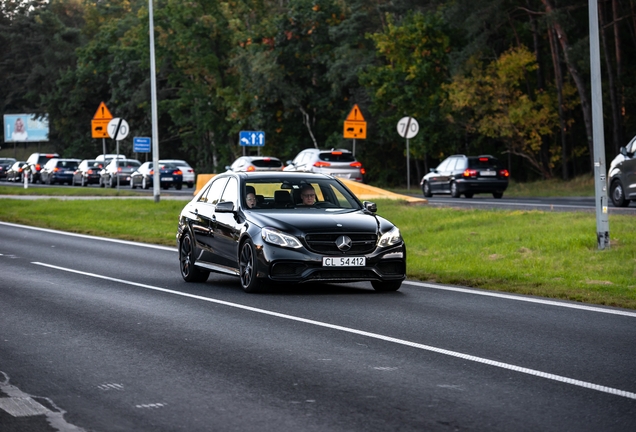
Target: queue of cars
x: 105, y: 170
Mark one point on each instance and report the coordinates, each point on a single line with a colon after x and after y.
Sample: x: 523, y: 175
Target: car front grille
x: 325, y: 243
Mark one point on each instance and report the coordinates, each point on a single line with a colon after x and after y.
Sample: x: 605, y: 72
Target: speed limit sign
x: 118, y: 129
x: 408, y: 127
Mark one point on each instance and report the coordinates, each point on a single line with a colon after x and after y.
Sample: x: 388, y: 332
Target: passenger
x: 308, y: 195
x: 251, y: 200
x: 250, y: 196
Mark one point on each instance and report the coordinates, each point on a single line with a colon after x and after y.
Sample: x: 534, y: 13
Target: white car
x: 189, y: 176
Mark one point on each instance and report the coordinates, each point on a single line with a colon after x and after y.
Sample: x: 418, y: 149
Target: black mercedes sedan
x: 277, y: 227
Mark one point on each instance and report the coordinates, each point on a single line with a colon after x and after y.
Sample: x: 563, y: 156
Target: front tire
x: 454, y: 190
x: 189, y: 272
x: 497, y: 195
x: 385, y: 286
x: 618, y: 195
x: 247, y: 268
x: 426, y: 190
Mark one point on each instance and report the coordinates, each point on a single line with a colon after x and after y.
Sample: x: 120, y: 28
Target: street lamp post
x: 153, y: 92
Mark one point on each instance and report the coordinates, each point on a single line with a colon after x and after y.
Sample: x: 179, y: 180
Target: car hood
x: 307, y: 221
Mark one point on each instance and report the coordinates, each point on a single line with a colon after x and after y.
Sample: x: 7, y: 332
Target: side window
x: 444, y: 165
x: 213, y: 194
x: 231, y: 192
x: 461, y: 164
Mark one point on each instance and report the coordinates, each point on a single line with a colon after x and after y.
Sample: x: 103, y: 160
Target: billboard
x: 25, y: 128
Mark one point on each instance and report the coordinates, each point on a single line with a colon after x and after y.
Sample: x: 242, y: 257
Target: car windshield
x: 276, y: 194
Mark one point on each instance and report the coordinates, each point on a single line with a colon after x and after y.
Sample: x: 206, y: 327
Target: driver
x: 308, y: 195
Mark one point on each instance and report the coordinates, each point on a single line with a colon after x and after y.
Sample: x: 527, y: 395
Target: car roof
x: 254, y: 175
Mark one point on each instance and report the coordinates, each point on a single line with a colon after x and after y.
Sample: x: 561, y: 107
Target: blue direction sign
x: 252, y: 138
x: 141, y: 145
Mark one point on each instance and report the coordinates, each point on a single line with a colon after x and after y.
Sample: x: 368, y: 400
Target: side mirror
x: 289, y: 162
x: 370, y: 206
x: 432, y: 170
x: 227, y: 167
x: 225, y: 207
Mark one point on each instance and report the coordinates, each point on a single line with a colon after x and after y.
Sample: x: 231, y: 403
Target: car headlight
x: 273, y: 236
x: 390, y: 238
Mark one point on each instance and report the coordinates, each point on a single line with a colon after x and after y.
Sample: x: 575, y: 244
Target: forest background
x: 500, y: 77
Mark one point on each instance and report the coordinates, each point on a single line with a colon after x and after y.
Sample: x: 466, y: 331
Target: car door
x: 436, y: 181
x: 226, y: 227
x: 203, y: 223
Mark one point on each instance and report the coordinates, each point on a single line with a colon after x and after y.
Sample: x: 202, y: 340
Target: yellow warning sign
x: 102, y: 113
x: 99, y: 128
x: 354, y: 126
x: 355, y: 114
x: 355, y: 129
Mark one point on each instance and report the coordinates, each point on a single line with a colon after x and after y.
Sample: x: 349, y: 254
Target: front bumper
x: 299, y: 266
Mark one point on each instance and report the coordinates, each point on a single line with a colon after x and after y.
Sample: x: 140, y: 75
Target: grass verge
x: 529, y: 252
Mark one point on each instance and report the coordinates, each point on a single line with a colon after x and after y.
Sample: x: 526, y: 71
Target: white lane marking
x: 20, y: 404
x: 110, y: 387
x: 520, y: 369
x: 524, y: 299
x: 152, y: 405
x: 126, y: 242
x: 415, y: 283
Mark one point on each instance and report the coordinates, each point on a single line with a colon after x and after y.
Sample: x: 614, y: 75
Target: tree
x: 409, y: 80
x: 499, y: 108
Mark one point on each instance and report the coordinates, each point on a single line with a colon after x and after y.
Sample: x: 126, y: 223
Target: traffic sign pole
x: 408, y: 128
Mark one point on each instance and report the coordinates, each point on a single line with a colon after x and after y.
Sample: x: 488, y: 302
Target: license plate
x: 343, y: 261
x: 489, y: 173
x: 166, y: 178
x: 341, y: 175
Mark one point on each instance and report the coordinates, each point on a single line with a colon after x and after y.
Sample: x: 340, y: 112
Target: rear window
x: 45, y: 158
x: 128, y: 164
x: 68, y: 164
x: 267, y: 163
x: 483, y: 162
x: 337, y: 156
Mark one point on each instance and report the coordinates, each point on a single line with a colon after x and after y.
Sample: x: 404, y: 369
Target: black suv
x: 36, y: 162
x: 466, y: 175
x: 621, y: 177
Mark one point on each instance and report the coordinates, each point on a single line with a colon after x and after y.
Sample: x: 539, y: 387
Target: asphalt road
x: 482, y: 201
x: 100, y: 335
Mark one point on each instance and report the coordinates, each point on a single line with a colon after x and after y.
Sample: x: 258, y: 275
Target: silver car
x: 621, y: 177
x: 336, y: 162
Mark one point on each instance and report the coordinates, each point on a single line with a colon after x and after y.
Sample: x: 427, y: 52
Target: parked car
x: 466, y: 175
x: 87, y: 172
x: 336, y: 162
x: 118, y: 171
x: 16, y: 172
x: 36, y: 162
x: 621, y: 177
x: 256, y: 163
x: 58, y: 170
x: 169, y: 175
x: 189, y: 175
x: 5, y: 164
x: 335, y: 239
